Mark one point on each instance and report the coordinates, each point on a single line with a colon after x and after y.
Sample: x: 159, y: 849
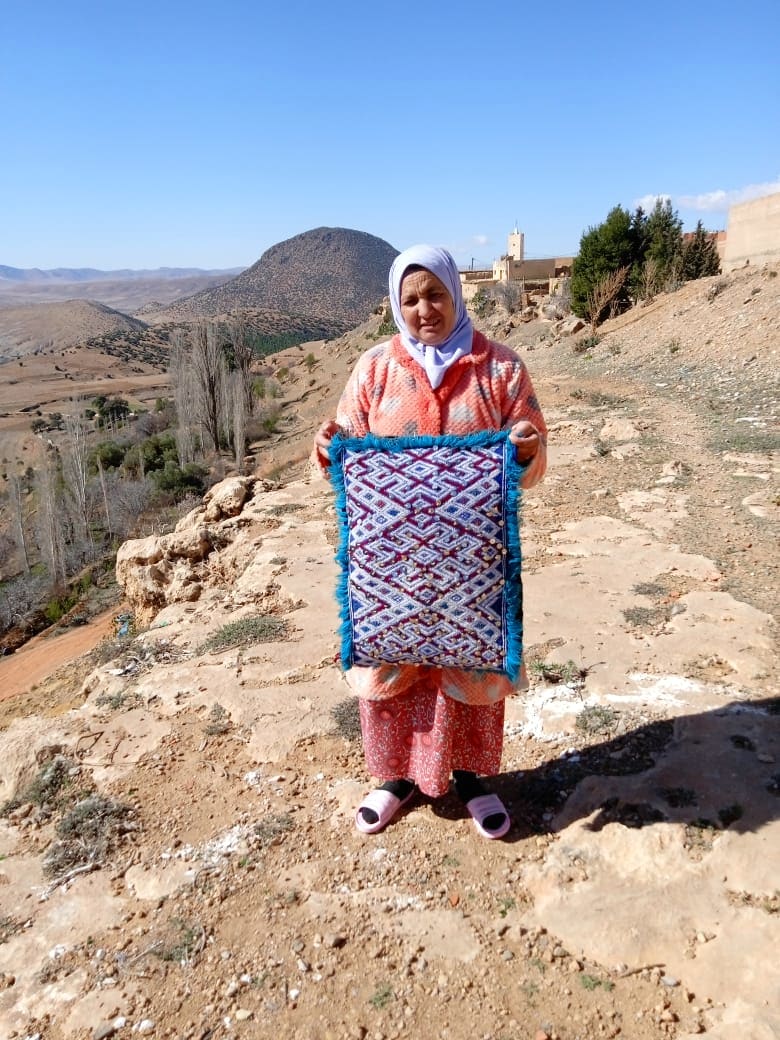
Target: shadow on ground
x: 711, y: 771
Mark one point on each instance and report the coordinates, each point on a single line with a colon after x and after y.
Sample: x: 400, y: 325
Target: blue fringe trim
x: 514, y: 565
x: 513, y: 472
x: 337, y: 450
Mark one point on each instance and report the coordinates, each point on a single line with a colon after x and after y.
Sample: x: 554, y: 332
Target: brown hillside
x: 178, y: 856
x: 328, y: 272
x: 55, y: 326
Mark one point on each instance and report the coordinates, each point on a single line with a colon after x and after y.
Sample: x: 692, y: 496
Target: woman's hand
x: 525, y: 438
x: 323, y: 437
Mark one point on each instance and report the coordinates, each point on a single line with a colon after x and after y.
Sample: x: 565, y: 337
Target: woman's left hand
x: 525, y: 438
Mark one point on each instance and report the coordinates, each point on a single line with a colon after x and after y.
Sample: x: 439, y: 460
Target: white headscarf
x: 435, y: 359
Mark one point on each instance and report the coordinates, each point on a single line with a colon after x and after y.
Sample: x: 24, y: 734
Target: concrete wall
x: 753, y: 234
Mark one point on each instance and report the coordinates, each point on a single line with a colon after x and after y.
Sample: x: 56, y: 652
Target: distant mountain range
x: 91, y: 274
x: 313, y: 286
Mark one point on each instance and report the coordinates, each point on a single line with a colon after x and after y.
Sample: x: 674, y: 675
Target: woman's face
x: 427, y: 307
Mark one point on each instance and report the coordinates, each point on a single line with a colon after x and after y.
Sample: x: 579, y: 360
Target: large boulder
x: 572, y: 325
x: 171, y: 568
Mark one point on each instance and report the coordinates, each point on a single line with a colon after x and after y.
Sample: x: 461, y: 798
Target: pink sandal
x: 384, y: 804
x: 485, y: 805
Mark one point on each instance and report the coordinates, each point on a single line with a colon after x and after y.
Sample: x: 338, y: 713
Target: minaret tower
x: 516, y: 245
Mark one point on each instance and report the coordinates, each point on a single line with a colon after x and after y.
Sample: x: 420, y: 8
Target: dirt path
x: 46, y: 653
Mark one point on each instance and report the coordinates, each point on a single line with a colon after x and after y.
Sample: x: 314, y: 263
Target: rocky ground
x: 177, y: 853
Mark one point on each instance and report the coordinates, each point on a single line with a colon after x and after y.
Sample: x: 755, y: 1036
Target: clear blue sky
x: 199, y: 134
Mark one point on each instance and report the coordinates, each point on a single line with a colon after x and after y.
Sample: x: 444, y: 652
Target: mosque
x: 528, y: 275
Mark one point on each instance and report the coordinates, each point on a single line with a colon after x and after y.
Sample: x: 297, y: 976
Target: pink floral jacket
x: 388, y: 394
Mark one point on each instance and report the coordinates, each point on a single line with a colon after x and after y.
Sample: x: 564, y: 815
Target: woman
x: 420, y: 723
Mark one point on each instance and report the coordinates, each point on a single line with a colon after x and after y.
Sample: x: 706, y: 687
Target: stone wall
x: 753, y: 233
x: 476, y: 276
x: 470, y: 289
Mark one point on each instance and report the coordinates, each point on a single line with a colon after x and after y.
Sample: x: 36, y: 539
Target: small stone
x: 334, y: 941
x: 144, y: 1027
x: 243, y: 1015
x: 670, y: 981
x: 507, y: 955
x: 104, y: 1030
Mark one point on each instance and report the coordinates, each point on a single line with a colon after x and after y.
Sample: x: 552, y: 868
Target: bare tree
x: 15, y: 490
x: 649, y: 279
x: 51, y: 513
x: 128, y: 499
x: 106, y: 509
x: 7, y: 554
x: 209, y: 369
x: 75, y: 465
x: 184, y: 398
x: 239, y: 412
x: 243, y: 356
x: 510, y: 294
x: 604, y: 294
x: 18, y: 597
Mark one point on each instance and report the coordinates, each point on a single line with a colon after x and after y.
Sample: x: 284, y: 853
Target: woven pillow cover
x: 429, y: 551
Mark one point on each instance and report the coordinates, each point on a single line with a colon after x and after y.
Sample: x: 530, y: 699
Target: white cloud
x: 647, y: 202
x: 481, y: 240
x: 720, y: 200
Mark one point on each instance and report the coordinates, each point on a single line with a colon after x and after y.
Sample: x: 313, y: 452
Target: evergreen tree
x: 604, y: 249
x: 664, y: 243
x: 636, y: 279
x: 700, y: 255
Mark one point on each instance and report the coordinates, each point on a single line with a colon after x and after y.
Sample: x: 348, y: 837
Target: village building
x: 531, y: 277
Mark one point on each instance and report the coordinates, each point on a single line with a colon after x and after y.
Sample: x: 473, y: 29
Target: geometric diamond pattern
x: 430, y: 551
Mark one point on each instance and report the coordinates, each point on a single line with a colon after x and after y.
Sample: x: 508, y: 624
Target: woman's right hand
x: 323, y: 438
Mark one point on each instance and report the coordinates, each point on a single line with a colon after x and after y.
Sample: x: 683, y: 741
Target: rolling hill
x: 41, y: 327
x: 333, y: 273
